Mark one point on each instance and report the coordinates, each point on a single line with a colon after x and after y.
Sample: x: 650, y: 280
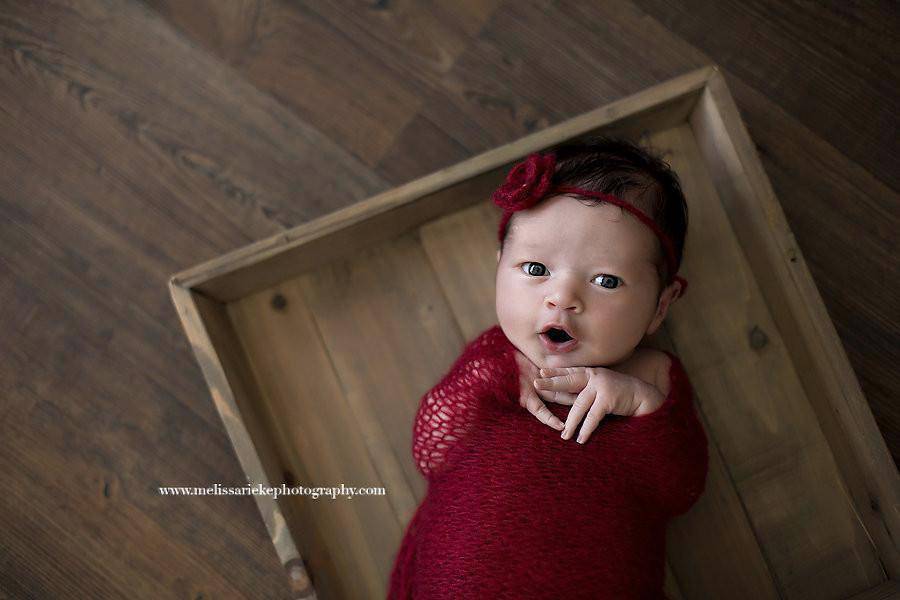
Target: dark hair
x: 617, y: 166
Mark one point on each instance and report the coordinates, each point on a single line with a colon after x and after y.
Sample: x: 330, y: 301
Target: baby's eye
x: 535, y: 268
x: 610, y: 281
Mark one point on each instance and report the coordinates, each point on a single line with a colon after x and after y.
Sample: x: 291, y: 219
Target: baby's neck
x: 638, y: 364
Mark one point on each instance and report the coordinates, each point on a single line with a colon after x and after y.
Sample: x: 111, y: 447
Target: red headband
x: 529, y: 181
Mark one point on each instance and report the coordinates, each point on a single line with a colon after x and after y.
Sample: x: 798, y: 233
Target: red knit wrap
x: 514, y: 511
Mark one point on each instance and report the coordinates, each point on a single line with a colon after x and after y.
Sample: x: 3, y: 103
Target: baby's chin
x: 546, y: 359
x: 580, y: 356
x: 558, y: 361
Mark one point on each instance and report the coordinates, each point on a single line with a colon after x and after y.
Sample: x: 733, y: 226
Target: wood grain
x: 142, y: 138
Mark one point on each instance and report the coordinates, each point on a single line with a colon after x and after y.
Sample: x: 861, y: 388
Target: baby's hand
x: 601, y: 392
x: 528, y: 397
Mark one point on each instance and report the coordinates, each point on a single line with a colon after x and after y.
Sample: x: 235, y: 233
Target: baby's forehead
x: 567, y: 255
x: 564, y: 213
x: 618, y: 241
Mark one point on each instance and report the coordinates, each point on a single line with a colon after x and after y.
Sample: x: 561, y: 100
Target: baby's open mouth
x: 557, y: 335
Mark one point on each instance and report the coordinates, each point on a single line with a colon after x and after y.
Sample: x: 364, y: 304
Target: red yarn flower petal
x: 526, y: 183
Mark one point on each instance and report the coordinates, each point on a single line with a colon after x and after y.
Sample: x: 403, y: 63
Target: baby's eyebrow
x: 612, y: 262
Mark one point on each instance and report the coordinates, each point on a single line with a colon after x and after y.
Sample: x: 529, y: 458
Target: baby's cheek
x: 508, y: 310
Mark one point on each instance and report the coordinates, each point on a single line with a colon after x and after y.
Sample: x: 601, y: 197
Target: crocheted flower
x: 526, y: 183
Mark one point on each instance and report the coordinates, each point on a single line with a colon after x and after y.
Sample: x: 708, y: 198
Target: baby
x: 591, y: 238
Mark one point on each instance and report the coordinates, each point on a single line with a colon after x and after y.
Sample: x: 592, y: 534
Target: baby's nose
x: 564, y: 302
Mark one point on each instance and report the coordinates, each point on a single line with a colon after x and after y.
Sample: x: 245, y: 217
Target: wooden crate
x: 318, y: 342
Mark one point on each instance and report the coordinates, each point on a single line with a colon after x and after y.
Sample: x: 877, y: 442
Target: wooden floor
x: 140, y: 138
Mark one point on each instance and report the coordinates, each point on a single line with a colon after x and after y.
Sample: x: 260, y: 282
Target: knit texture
x: 512, y: 510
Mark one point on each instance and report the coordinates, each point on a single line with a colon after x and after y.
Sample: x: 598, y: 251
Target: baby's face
x: 589, y: 267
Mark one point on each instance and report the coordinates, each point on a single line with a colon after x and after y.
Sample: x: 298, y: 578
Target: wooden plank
x: 382, y: 317
x: 75, y: 500
x: 833, y: 389
x: 314, y: 424
x: 844, y: 221
x: 845, y: 56
x: 334, y: 236
x: 87, y: 236
x: 889, y: 590
x: 382, y: 320
x: 755, y: 404
x: 390, y: 213
x: 39, y: 443
x: 235, y: 395
x: 284, y: 50
x: 688, y: 542
x: 523, y: 77
x: 174, y: 122
x: 118, y: 401
x: 462, y: 249
x: 712, y: 550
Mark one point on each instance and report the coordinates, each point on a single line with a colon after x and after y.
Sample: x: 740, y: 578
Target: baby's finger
x: 570, y: 382
x: 548, y: 371
x: 599, y: 410
x: 582, y: 403
x: 540, y: 410
x: 557, y: 397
